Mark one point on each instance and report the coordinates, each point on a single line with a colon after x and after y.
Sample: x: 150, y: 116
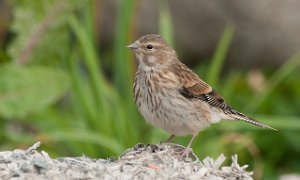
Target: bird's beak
x: 133, y: 46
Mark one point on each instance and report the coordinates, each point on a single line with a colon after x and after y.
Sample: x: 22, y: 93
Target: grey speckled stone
x: 140, y: 162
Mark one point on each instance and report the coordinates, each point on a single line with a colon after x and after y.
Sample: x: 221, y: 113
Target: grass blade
x: 290, y: 66
x: 219, y: 56
x: 88, y: 137
x: 165, y: 22
x: 122, y: 67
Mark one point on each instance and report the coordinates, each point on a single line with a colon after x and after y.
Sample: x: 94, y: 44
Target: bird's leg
x: 169, y: 139
x: 188, y: 149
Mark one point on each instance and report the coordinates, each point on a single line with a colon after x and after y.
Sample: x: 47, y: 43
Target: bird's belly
x: 173, y: 113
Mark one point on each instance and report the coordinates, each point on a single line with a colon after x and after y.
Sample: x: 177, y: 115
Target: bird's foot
x: 185, y: 153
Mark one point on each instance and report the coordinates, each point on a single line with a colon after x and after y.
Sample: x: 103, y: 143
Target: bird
x: 172, y: 97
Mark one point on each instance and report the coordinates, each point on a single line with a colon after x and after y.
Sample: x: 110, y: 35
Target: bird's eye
x: 149, y: 46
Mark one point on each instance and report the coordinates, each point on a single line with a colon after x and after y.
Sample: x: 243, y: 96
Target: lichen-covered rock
x: 140, y: 162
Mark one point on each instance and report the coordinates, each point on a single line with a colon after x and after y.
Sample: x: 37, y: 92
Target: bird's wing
x: 202, y: 91
x: 193, y: 87
x: 199, y: 91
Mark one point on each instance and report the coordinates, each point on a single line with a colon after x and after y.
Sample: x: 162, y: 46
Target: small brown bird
x: 171, y: 96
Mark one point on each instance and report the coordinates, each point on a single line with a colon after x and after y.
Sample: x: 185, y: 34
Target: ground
x: 140, y: 162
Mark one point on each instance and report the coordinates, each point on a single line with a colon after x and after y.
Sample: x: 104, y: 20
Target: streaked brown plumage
x: 171, y: 96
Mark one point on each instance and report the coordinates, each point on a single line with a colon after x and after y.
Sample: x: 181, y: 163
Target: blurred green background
x: 57, y: 86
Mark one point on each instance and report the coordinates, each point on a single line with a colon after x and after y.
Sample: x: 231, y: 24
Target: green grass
x: 97, y: 116
x: 218, y: 59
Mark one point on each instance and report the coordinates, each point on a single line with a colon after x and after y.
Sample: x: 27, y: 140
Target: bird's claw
x: 185, y: 153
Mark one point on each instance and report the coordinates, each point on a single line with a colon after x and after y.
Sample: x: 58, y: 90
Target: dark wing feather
x: 212, y: 97
x: 215, y: 100
x: 193, y: 87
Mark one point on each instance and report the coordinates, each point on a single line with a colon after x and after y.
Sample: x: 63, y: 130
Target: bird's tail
x: 239, y: 116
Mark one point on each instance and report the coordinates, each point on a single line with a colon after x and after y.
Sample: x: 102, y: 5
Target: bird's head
x: 152, y: 50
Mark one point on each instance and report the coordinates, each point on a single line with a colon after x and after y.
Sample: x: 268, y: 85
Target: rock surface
x: 266, y: 32
x: 140, y: 162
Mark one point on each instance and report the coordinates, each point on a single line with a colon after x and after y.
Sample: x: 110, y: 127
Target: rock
x: 266, y: 32
x: 140, y: 162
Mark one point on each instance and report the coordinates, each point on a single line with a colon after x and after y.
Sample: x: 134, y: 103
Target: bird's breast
x: 158, y: 99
